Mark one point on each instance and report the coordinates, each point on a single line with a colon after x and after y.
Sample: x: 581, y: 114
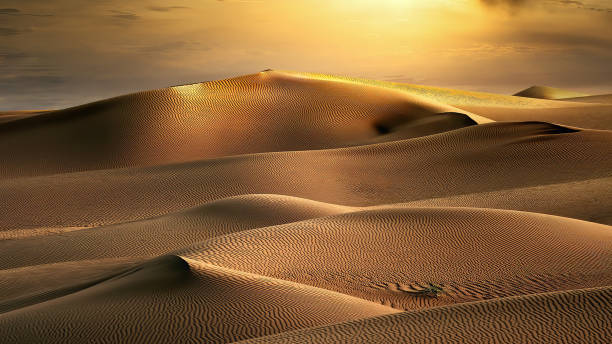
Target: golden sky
x: 59, y: 53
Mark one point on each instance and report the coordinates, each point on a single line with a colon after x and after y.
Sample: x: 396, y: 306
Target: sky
x: 61, y: 53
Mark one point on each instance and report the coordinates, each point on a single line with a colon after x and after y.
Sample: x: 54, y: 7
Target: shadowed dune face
x: 296, y: 207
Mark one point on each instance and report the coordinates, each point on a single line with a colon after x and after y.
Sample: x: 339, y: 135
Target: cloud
x: 10, y: 11
x: 124, y: 15
x: 512, y: 3
x: 16, y: 12
x: 7, y: 31
x: 166, y: 8
x: 515, y: 4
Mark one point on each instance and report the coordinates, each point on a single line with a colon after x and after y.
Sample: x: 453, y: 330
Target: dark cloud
x: 16, y: 12
x: 166, y: 8
x: 582, y: 5
x: 173, y: 47
x: 7, y: 31
x: 504, y: 2
x: 165, y: 47
x: 124, y: 15
x: 10, y: 11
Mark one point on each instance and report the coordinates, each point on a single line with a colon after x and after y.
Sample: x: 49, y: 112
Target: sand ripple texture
x: 286, y: 207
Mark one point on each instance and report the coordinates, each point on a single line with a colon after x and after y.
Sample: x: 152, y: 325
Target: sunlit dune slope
x: 390, y: 255
x: 500, y: 107
x: 577, y: 316
x: 545, y: 92
x: 443, y: 95
x: 482, y: 158
x: 171, y: 299
x: 594, y: 116
x: 268, y: 111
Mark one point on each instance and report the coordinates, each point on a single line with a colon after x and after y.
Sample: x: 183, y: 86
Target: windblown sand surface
x: 294, y: 207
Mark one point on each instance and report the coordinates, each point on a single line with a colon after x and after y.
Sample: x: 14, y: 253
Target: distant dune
x: 307, y: 208
x: 600, y: 99
x: 545, y: 92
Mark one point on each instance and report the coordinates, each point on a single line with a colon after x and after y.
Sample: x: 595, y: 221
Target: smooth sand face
x: 295, y: 207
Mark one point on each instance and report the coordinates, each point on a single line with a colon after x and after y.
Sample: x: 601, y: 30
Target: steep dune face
x: 578, y: 316
x: 171, y: 299
x: 545, y: 92
x: 297, y: 207
x: 268, y: 111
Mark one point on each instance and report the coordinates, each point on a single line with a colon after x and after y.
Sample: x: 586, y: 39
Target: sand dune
x: 388, y: 255
x: 191, y: 301
x: 268, y: 111
x: 578, y: 316
x: 299, y: 207
x: 474, y: 159
x: 502, y: 107
x: 156, y: 236
x: 545, y: 92
x: 601, y: 99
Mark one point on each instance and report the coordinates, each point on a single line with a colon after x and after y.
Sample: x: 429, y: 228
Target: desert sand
x: 545, y: 92
x: 287, y: 207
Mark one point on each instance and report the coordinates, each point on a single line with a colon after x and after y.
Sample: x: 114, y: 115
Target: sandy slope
x: 387, y: 255
x: 502, y: 107
x: 578, y: 316
x: 268, y: 111
x: 170, y: 299
x: 480, y: 158
x: 298, y: 207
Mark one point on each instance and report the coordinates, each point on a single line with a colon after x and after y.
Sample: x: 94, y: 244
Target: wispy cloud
x: 7, y: 31
x: 515, y: 4
x: 17, y: 12
x: 124, y: 15
x: 166, y: 8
